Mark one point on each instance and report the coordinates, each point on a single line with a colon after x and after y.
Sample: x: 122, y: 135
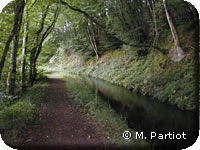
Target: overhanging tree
x: 40, y: 38
x: 111, y: 36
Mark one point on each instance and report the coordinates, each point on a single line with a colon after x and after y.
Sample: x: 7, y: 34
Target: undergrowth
x: 155, y: 74
x: 15, y: 116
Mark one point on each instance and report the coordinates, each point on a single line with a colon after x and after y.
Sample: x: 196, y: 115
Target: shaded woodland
x: 28, y: 27
x: 146, y: 46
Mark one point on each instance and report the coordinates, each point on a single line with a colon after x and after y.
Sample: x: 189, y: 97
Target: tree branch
x: 47, y: 32
x: 109, y: 34
x: 82, y: 12
x: 33, y: 4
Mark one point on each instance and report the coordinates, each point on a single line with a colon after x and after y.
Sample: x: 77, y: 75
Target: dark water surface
x: 144, y: 114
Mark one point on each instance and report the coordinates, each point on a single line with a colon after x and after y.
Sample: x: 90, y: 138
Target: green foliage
x: 129, y: 21
x: 6, y: 101
x: 15, y: 115
x: 34, y: 11
x: 69, y: 48
x: 155, y: 75
x: 36, y: 94
x: 15, y: 118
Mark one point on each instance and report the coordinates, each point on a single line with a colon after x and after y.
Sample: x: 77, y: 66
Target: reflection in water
x: 146, y: 115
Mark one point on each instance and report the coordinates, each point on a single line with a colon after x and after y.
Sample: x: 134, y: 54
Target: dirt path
x: 61, y: 124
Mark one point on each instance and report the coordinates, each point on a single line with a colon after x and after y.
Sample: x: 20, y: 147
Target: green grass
x: 109, y: 123
x: 15, y: 117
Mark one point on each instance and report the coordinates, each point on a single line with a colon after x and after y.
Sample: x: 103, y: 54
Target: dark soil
x: 61, y: 124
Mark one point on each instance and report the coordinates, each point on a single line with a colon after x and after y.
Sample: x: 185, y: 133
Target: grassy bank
x: 16, y: 115
x: 155, y: 74
x: 109, y: 124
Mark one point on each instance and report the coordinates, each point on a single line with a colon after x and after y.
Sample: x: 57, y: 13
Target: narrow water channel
x: 162, y: 124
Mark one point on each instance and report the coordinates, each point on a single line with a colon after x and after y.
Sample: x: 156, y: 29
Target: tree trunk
x: 34, y: 49
x: 122, y: 18
x: 177, y: 53
x: 151, y: 4
x: 155, y: 23
x: 12, y: 74
x: 14, y: 31
x: 92, y: 39
x: 38, y: 47
x: 95, y: 43
x: 31, y: 66
x: 19, y: 8
x: 34, y: 72
x: 24, y: 48
x: 5, y: 52
x: 34, y: 69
